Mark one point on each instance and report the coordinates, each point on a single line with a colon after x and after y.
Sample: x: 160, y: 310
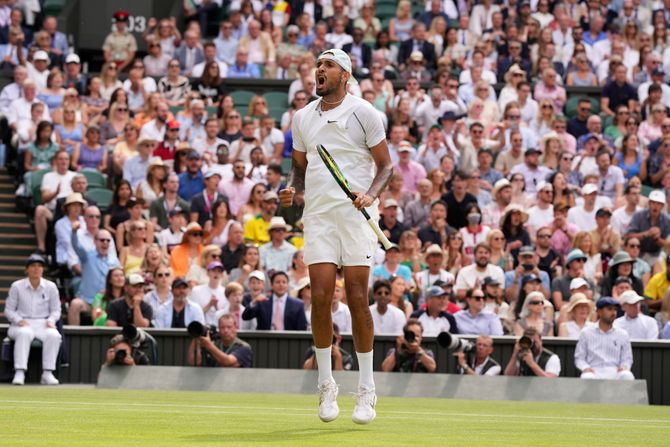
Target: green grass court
x: 84, y: 416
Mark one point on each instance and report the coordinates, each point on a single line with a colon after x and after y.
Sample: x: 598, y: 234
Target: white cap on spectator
x: 576, y: 283
x: 72, y: 59
x: 404, y: 146
x: 342, y: 59
x: 258, y: 275
x: 542, y: 185
x: 41, y: 56
x: 589, y: 188
x: 657, y: 196
x: 630, y: 297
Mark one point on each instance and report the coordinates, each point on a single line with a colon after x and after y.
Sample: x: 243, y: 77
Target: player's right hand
x: 286, y: 196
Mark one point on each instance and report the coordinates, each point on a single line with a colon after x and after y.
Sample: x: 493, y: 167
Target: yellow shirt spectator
x: 657, y: 286
x: 256, y: 230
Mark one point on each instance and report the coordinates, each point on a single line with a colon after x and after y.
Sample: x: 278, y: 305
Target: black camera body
x: 120, y: 357
x: 197, y: 329
x: 409, y: 336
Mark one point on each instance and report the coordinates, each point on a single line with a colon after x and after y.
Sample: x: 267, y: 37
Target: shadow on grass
x: 295, y: 434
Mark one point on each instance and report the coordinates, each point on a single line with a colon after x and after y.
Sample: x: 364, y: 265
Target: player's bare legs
x: 356, y: 285
x: 322, y: 281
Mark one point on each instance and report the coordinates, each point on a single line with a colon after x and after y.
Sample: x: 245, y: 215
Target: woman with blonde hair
x: 53, y: 94
x: 125, y: 148
x: 154, y: 257
x: 532, y: 315
x: 650, y: 129
x: 70, y: 132
x: 593, y: 267
x: 578, y: 314
x: 149, y: 111
x: 150, y: 188
x: 94, y: 101
x: 543, y: 124
x: 436, y: 177
x: 111, y: 131
x: 500, y: 256
x: 436, y: 33
x: 197, y: 272
x: 250, y: 262
x: 110, y: 80
x: 132, y: 256
x: 552, y: 146
x: 298, y: 269
x: 189, y: 252
x: 400, y: 26
x: 257, y: 108
x: 454, y: 256
x: 165, y: 32
x: 490, y: 112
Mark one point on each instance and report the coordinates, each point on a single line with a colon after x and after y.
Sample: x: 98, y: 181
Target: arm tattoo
x: 380, y: 181
x: 296, y: 179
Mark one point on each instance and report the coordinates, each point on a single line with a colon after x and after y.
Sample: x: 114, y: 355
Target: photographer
x: 529, y: 358
x: 479, y: 362
x: 340, y: 359
x: 408, y: 355
x: 122, y: 353
x: 222, y: 349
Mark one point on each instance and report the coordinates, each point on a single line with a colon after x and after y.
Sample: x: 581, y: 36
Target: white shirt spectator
x: 342, y: 317
x: 538, y: 218
x: 433, y: 326
x: 19, y: 110
x: 268, y: 144
x: 203, y: 294
x: 642, y: 327
x: 643, y: 92
x: 40, y: 77
x: 584, y: 220
x: 391, y: 323
x: 597, y: 349
x: 468, y: 276
x: 50, y: 182
x: 621, y: 219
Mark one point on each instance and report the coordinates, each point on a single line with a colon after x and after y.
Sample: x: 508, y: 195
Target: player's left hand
x: 363, y: 200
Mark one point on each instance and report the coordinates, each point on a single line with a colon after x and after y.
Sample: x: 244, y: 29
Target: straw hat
x: 577, y: 299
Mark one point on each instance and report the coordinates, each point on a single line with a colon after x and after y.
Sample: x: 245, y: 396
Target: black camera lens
x: 410, y: 336
x: 120, y: 356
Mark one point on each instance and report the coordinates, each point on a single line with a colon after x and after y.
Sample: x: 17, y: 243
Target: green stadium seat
x: 36, y: 178
x: 242, y: 109
x: 646, y: 190
x: 53, y: 7
x: 276, y: 113
x: 211, y: 111
x: 385, y: 11
x: 286, y: 166
x: 176, y: 109
x: 95, y: 179
x: 37, y: 194
x: 101, y: 196
x: 276, y: 99
x: 242, y: 97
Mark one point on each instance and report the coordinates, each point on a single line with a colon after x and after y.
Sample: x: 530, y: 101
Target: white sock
x: 324, y: 363
x: 365, y: 378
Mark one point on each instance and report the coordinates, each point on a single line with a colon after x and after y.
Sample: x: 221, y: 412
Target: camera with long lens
x: 454, y: 343
x: 134, y: 336
x: 197, y: 329
x: 409, y: 336
x: 120, y: 357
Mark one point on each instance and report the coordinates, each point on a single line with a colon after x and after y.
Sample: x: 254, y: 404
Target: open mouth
x: 320, y: 80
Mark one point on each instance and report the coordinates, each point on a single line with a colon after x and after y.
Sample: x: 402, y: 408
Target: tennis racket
x: 344, y: 184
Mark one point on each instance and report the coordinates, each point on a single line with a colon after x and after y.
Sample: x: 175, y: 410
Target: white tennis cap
x: 342, y: 59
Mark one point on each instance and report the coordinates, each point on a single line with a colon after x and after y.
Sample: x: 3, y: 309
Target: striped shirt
x: 596, y: 349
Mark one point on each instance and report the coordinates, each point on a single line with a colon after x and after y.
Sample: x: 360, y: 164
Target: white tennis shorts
x: 340, y: 236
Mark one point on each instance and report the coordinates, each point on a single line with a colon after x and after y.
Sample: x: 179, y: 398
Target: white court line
x: 311, y: 410
x: 312, y: 414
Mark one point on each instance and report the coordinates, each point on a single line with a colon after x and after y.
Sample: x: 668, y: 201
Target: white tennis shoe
x: 364, y: 411
x: 19, y: 377
x: 328, y: 409
x: 48, y: 378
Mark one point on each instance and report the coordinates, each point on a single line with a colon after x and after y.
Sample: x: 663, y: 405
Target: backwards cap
x: 342, y: 59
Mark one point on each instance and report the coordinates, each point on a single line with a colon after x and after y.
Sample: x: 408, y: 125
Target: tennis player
x: 336, y: 233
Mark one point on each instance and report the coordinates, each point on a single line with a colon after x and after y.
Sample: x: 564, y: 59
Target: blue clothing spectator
x: 165, y: 317
x: 94, y: 268
x: 190, y: 185
x: 483, y: 323
x: 382, y: 272
x: 135, y: 170
x: 248, y: 71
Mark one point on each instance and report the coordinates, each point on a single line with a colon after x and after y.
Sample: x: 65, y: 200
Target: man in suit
x: 358, y: 49
x: 190, y: 53
x: 280, y: 312
x: 417, y: 43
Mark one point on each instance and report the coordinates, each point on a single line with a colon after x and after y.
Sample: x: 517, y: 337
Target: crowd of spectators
x: 515, y: 207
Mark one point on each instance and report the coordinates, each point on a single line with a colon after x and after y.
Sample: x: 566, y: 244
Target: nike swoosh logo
x: 331, y: 122
x: 368, y: 257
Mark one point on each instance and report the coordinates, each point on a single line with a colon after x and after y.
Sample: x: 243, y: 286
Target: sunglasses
x: 105, y: 241
x: 196, y: 234
x: 121, y: 110
x: 162, y: 275
x: 513, y: 117
x: 543, y: 236
x: 93, y: 216
x: 478, y: 298
x: 215, y: 256
x: 634, y: 245
x: 534, y: 303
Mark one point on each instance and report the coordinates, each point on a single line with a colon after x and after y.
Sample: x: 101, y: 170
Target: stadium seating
x: 95, y: 179
x: 101, y: 196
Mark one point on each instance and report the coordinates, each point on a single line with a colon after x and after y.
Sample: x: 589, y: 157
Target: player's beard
x: 327, y: 88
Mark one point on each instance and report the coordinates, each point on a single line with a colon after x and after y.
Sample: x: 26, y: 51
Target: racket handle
x: 380, y: 235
